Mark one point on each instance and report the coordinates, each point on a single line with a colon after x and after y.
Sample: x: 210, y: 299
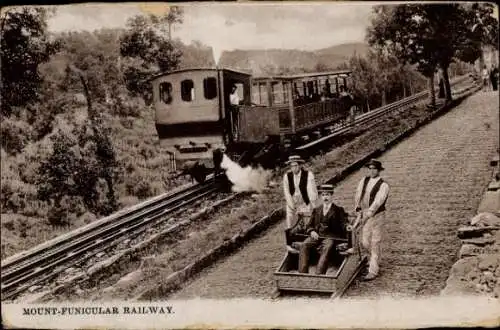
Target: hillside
x: 344, y: 50
x: 267, y: 61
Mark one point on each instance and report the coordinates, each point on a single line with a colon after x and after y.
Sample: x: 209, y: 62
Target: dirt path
x: 436, y: 177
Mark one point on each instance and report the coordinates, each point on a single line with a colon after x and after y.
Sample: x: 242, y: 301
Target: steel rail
x: 16, y: 275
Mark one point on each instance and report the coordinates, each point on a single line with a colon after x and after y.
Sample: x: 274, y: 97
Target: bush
x: 34, y: 208
x: 15, y: 203
x: 126, y: 108
x: 88, y: 217
x: 28, y: 171
x: 147, y: 152
x: 67, y: 212
x: 128, y: 201
x: 127, y: 122
x: 142, y: 189
x: 6, y: 193
x: 15, y: 135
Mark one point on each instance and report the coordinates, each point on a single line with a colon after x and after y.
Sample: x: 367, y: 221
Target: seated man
x: 328, y: 220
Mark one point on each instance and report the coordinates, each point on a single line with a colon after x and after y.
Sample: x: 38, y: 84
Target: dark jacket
x: 333, y: 224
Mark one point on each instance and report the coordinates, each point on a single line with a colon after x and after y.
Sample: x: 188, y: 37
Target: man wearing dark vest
x: 300, y: 191
x: 328, y: 221
x: 370, y: 199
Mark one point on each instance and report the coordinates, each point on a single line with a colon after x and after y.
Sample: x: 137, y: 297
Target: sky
x: 236, y: 25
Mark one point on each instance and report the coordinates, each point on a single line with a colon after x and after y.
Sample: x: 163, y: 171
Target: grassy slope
x: 142, y: 166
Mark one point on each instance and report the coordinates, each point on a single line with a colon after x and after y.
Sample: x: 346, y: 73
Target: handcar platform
x: 342, y: 270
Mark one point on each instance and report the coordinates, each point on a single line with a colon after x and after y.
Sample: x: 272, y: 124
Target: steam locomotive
x: 202, y: 113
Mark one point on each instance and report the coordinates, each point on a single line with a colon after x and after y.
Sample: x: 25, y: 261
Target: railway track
x: 46, y: 261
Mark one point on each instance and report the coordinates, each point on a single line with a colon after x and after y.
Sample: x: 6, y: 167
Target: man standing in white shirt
x: 300, y: 190
x: 234, y: 100
x: 371, y: 195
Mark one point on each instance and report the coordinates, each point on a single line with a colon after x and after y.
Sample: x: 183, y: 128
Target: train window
x: 166, y: 92
x: 277, y: 92
x: 255, y: 93
x: 210, y: 88
x: 263, y: 93
x: 285, y: 92
x: 187, y: 90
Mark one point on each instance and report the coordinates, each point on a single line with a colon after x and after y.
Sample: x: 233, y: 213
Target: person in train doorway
x: 370, y: 200
x: 494, y: 78
x: 328, y: 221
x: 301, y: 195
x: 235, y: 101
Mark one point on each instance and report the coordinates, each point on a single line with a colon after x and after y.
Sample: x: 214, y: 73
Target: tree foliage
x: 24, y: 46
x: 434, y: 35
x: 429, y: 35
x: 481, y: 30
x: 97, y: 55
x: 79, y: 162
x: 378, y: 78
x: 147, y: 48
x: 74, y: 169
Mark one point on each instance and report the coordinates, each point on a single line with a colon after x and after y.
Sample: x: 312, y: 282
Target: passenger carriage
x: 291, y: 106
x: 195, y: 121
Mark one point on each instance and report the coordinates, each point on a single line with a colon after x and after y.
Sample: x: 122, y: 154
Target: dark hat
x: 376, y: 163
x: 294, y: 159
x: 326, y: 188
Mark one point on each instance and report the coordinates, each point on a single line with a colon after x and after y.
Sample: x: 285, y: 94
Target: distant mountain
x: 345, y: 50
x: 278, y: 61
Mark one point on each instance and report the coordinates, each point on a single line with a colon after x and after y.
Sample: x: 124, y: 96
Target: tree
x: 378, y: 76
x: 97, y: 55
x: 24, y: 46
x: 174, y: 16
x: 481, y: 30
x: 423, y: 34
x: 147, y: 48
x: 79, y: 161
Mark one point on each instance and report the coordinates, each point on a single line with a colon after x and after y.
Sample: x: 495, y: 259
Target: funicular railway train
x: 196, y: 121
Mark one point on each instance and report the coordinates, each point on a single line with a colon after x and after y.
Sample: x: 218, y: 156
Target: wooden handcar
x: 343, y: 268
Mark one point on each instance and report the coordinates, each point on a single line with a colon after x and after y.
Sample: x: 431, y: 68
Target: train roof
x: 198, y: 69
x: 305, y: 75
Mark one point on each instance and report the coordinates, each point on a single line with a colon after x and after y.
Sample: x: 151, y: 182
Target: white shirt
x: 297, y: 197
x: 296, y: 183
x: 379, y: 199
x: 234, y: 99
x: 326, y: 208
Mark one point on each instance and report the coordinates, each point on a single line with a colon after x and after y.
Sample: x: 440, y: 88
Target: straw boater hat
x: 326, y: 188
x: 294, y: 159
x: 376, y: 163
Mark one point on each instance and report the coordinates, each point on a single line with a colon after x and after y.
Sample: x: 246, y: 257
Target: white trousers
x: 370, y: 239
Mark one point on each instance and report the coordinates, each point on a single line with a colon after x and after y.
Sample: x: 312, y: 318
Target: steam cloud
x: 245, y: 179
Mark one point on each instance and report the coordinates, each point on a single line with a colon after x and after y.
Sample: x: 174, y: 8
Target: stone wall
x: 477, y: 270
